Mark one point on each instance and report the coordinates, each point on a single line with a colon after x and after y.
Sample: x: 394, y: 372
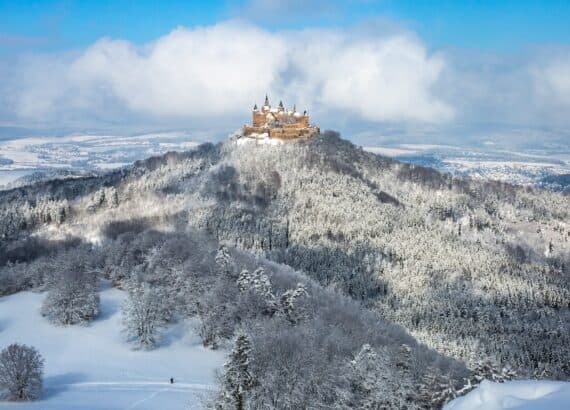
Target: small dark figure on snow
x: 172, y: 380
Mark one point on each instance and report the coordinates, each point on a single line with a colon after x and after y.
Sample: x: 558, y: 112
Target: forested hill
x: 475, y: 270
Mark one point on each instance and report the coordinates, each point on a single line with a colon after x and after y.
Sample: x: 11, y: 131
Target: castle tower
x: 258, y: 118
x: 304, y: 120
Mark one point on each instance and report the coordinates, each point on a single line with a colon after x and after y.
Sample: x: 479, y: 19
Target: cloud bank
x: 223, y: 69
x: 214, y: 74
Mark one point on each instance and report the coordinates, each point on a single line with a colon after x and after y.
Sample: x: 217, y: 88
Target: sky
x: 453, y: 71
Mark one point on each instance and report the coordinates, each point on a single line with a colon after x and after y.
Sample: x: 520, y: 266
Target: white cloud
x: 222, y: 69
x: 206, y: 71
x: 377, y: 78
x: 356, y: 79
x: 552, y: 81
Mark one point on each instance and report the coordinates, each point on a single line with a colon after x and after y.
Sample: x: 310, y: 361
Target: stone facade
x: 279, y: 123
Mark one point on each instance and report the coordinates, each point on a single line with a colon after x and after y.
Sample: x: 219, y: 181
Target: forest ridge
x: 436, y: 279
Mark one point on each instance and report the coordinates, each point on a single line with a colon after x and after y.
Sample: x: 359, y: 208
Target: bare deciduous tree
x: 21, y: 372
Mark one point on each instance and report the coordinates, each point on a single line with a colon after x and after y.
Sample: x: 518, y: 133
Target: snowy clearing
x: 91, y: 367
x: 527, y: 395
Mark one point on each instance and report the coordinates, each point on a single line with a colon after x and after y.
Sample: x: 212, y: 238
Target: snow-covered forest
x: 333, y: 277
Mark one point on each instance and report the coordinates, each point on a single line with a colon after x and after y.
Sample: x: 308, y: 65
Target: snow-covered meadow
x: 92, y: 367
x: 526, y: 167
x: 79, y: 154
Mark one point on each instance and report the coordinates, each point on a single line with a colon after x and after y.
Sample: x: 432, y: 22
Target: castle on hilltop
x: 279, y: 123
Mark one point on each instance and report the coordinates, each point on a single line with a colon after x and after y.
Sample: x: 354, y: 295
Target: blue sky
x: 369, y: 68
x: 504, y: 25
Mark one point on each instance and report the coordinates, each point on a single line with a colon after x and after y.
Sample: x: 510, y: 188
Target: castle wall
x: 258, y: 119
x: 282, y: 133
x: 293, y: 133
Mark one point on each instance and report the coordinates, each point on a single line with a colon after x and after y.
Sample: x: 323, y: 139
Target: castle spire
x: 266, y: 100
x: 255, y: 107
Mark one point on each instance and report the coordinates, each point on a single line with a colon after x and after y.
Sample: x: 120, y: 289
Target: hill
x: 473, y: 270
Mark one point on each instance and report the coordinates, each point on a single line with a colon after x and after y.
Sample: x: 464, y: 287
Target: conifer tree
x: 435, y: 390
x: 237, y: 380
x: 366, y: 386
x: 291, y: 306
x: 223, y: 261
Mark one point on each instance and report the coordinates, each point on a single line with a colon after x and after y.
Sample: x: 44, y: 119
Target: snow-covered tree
x: 224, y: 261
x: 367, y: 380
x: 258, y: 285
x: 291, y: 304
x: 406, y: 375
x: 237, y: 380
x: 143, y: 316
x: 72, y: 298
x: 487, y: 369
x: 257, y: 282
x: 21, y: 372
x: 436, y: 389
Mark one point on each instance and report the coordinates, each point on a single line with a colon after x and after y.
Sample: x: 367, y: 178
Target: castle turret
x: 266, y: 106
x: 281, y: 107
x: 258, y: 117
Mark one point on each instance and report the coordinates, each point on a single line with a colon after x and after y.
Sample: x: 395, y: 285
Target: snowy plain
x: 97, y: 153
x: 519, y: 395
x: 83, y: 153
x: 92, y: 367
x: 516, y: 167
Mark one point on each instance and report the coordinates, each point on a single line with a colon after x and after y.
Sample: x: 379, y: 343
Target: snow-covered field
x: 523, y: 168
x: 91, y: 367
x: 89, y: 153
x: 520, y: 395
x: 82, y: 153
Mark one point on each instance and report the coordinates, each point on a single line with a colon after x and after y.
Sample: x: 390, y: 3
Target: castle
x: 279, y: 123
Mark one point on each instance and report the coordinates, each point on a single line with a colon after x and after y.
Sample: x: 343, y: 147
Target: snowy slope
x: 93, y: 368
x: 521, y: 395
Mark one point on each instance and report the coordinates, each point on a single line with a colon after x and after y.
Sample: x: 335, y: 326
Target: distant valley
x: 27, y: 160
x: 545, y: 168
